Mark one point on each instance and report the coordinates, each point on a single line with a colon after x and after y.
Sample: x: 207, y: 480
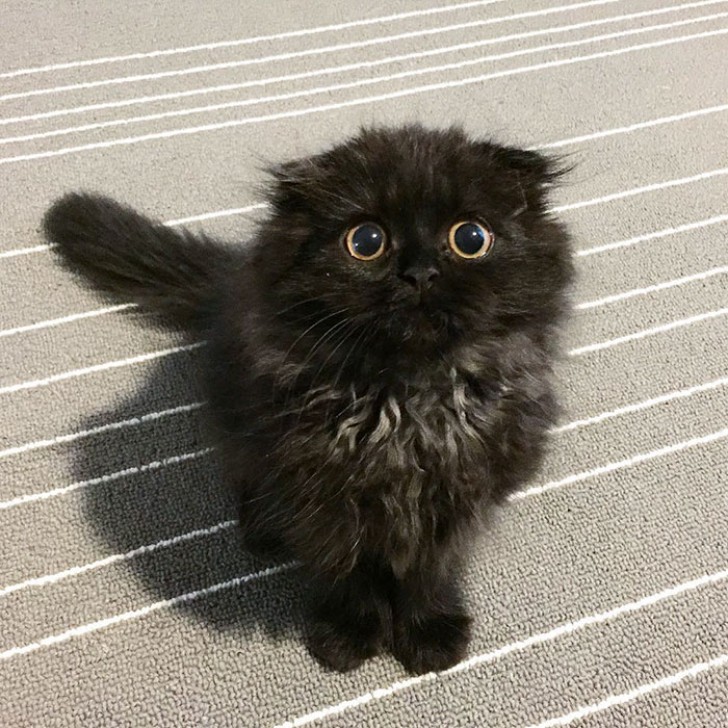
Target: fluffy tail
x: 171, y: 272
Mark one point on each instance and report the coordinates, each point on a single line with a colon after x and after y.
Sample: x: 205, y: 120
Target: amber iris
x: 470, y: 239
x: 366, y: 241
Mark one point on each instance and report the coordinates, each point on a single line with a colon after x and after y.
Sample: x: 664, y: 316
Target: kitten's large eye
x: 366, y: 241
x: 470, y: 239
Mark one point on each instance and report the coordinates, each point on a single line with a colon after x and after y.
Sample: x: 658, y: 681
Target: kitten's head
x: 413, y: 240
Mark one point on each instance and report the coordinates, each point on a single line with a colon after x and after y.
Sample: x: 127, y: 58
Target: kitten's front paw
x: 432, y: 644
x: 344, y: 647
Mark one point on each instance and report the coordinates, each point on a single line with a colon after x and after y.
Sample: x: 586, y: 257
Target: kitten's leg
x: 431, y: 625
x: 351, y: 618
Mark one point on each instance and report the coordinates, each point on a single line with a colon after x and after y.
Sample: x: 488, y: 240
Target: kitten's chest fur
x: 403, y: 463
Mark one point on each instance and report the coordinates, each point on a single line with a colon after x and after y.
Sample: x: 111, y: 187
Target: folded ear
x: 532, y: 175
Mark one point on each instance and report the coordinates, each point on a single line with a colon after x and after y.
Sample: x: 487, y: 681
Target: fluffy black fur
x: 367, y: 423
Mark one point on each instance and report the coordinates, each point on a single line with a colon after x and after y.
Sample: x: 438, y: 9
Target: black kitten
x: 379, y: 364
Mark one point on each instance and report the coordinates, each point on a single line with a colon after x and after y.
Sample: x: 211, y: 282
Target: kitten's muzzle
x: 419, y: 277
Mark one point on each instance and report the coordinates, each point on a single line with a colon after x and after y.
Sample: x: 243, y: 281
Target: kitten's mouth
x: 414, y: 298
x: 418, y: 318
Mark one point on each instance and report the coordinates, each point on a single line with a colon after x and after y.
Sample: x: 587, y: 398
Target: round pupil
x: 367, y: 240
x: 470, y: 238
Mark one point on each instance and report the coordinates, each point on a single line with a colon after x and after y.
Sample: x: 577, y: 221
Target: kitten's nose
x: 420, y: 276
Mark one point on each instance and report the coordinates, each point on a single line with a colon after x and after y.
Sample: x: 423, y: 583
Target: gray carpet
x: 600, y: 595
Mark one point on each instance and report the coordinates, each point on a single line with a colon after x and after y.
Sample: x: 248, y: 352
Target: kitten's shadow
x: 163, y: 505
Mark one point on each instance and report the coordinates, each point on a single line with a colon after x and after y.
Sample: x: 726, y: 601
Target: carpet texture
x: 600, y: 594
